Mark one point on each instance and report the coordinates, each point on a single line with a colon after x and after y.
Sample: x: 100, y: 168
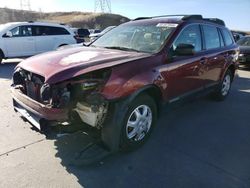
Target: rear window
x: 212, y: 39
x: 49, y: 30
x: 227, y: 37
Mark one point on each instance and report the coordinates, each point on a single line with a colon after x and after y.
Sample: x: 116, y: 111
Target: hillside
x: 75, y: 19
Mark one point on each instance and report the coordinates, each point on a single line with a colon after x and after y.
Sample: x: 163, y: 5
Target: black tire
x: 221, y: 94
x: 1, y: 57
x: 143, y: 101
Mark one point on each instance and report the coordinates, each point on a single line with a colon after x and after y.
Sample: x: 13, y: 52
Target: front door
x: 21, y: 43
x: 183, y: 74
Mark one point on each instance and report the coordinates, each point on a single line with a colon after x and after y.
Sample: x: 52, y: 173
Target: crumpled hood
x: 61, y: 65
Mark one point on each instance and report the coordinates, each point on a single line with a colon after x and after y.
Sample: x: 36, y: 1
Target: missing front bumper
x: 36, y: 113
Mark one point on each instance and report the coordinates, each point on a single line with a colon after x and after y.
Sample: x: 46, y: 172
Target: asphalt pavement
x: 200, y: 144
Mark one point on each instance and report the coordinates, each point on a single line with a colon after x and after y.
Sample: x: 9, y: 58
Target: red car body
x: 131, y: 73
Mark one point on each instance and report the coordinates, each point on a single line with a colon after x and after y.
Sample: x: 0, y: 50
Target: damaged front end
x: 77, y: 98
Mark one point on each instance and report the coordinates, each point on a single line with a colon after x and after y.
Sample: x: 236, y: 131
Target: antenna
x: 103, y: 6
x: 25, y: 5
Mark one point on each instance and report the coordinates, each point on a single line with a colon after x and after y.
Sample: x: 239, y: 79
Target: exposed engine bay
x: 80, y: 95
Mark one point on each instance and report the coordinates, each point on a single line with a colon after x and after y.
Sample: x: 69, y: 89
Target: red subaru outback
x: 118, y: 83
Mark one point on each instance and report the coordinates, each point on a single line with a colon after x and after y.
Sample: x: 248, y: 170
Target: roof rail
x: 182, y: 16
x: 192, y: 17
x: 141, y: 18
x: 186, y: 17
x: 215, y: 20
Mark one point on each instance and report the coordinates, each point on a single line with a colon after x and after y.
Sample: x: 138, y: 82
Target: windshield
x: 140, y: 38
x: 245, y: 41
x: 3, y: 26
x: 108, y: 29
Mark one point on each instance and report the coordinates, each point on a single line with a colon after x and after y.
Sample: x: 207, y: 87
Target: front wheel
x: 138, y: 122
x: 224, y: 88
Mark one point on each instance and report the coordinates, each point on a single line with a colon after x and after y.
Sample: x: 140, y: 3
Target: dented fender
x: 123, y: 82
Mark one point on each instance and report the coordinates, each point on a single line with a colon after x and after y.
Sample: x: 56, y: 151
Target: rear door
x: 44, y: 41
x: 48, y: 38
x: 215, y: 54
x: 22, y: 42
x: 183, y: 74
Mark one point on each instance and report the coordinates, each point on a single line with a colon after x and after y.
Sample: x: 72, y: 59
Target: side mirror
x: 8, y: 34
x: 184, y: 50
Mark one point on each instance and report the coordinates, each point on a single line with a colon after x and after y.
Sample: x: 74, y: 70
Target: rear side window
x: 48, y: 30
x: 212, y: 39
x: 58, y: 31
x: 190, y: 35
x: 227, y: 37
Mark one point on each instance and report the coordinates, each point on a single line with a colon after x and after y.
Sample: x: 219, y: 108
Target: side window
x: 58, y: 31
x: 40, y: 30
x: 15, y: 32
x: 221, y: 39
x: 190, y: 35
x: 21, y: 31
x: 48, y: 30
x: 212, y: 39
x: 227, y: 37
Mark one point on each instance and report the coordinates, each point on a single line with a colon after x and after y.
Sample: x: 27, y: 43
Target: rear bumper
x: 34, y: 111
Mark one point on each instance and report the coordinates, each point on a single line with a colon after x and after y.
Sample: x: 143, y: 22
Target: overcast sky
x: 234, y: 12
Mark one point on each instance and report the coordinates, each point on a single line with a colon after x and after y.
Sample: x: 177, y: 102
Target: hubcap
x: 139, y: 123
x: 226, y: 85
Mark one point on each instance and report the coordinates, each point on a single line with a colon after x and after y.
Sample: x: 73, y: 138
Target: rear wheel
x: 1, y: 57
x: 224, y: 88
x: 138, y: 122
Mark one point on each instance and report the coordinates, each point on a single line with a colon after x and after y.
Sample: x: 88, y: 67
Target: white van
x: 23, y: 39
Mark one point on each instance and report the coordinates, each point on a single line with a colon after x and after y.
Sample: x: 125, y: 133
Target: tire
x: 1, y: 57
x: 142, y: 110
x: 224, y: 87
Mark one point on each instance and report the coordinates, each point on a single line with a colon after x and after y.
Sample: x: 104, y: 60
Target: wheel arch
x: 151, y: 90
x: 232, y: 69
x: 62, y: 45
x: 2, y: 53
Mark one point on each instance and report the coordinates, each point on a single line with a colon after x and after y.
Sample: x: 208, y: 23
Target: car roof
x: 35, y: 23
x: 178, y: 19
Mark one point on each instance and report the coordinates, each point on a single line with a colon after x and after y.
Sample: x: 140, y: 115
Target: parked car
x: 92, y: 31
x: 94, y: 36
x: 81, y: 34
x: 244, y: 56
x: 23, y: 39
x: 119, y: 83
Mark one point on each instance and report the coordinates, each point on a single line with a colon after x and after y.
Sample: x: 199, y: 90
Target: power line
x: 25, y: 5
x: 103, y: 6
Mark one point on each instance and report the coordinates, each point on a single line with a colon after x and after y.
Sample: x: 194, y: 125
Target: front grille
x: 30, y: 83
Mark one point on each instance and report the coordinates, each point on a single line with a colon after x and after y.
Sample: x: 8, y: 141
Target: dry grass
x: 75, y: 19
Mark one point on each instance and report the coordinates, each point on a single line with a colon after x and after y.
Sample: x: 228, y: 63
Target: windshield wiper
x: 121, y: 48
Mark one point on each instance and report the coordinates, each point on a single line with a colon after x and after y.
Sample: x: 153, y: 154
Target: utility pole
x: 103, y: 6
x: 25, y: 5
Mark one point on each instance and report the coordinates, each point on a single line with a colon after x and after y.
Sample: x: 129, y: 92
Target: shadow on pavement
x: 199, y: 144
x: 7, y: 69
